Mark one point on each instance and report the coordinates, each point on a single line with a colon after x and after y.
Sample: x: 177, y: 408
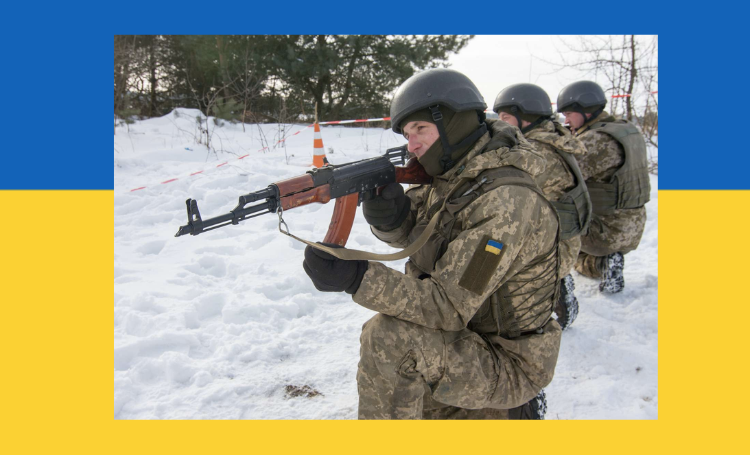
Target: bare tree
x: 247, y: 87
x: 207, y: 100
x: 629, y: 64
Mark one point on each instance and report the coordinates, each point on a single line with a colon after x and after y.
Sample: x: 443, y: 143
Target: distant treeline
x: 277, y: 78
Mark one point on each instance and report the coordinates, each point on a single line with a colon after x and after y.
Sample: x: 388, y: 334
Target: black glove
x: 388, y: 210
x: 330, y: 274
x: 503, y: 135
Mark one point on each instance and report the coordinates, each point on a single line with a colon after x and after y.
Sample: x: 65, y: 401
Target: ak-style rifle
x: 349, y: 184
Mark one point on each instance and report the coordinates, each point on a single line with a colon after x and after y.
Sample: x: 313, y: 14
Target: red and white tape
x: 225, y: 162
x: 627, y: 95
x: 334, y: 122
x: 341, y: 122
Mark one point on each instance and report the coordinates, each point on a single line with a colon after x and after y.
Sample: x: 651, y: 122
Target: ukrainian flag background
x: 56, y: 231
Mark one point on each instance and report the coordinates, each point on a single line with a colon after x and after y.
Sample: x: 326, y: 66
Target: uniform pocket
x: 528, y: 363
x: 470, y: 377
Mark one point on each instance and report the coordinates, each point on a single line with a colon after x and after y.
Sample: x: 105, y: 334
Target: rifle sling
x: 356, y: 255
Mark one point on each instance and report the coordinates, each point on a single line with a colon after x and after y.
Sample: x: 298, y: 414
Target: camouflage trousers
x: 569, y: 250
x: 609, y: 234
x: 590, y: 266
x: 407, y: 371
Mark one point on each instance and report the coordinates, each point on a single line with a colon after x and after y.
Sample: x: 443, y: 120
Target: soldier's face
x: 507, y: 118
x: 574, y: 119
x: 421, y: 135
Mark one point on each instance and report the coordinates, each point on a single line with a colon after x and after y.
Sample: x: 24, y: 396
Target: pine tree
x: 354, y: 75
x: 274, y: 77
x: 227, y: 109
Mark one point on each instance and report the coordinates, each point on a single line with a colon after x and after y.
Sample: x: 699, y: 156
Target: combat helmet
x: 582, y: 97
x: 431, y: 89
x: 525, y: 102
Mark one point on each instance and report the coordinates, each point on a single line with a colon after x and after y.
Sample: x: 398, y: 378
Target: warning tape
x: 227, y: 162
x: 627, y: 95
x: 341, y: 122
x: 334, y: 122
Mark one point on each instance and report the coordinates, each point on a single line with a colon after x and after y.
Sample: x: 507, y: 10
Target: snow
x: 218, y: 326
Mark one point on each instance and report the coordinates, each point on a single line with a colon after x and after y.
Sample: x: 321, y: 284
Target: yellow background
x: 57, y: 386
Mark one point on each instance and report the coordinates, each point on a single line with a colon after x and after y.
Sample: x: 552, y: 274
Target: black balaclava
x: 460, y: 129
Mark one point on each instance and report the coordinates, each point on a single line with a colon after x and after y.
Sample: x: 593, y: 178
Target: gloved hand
x: 389, y: 209
x: 330, y: 274
x: 503, y: 135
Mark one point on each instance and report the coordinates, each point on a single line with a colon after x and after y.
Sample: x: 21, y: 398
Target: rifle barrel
x: 233, y: 217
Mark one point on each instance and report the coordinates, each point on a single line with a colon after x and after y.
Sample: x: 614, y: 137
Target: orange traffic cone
x: 319, y: 153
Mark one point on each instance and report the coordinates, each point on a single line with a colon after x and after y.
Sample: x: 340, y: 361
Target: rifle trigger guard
x: 280, y: 212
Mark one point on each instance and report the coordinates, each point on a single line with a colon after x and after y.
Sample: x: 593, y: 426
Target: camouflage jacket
x: 557, y: 177
x: 604, y: 155
x: 453, y: 290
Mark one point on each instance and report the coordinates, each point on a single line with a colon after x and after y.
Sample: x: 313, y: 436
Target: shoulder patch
x: 493, y: 247
x: 482, y: 266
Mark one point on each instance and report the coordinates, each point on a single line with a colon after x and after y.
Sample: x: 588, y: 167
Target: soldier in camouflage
x: 616, y: 172
x: 467, y: 331
x: 528, y: 107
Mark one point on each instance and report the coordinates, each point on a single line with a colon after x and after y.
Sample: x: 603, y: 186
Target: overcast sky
x: 494, y: 62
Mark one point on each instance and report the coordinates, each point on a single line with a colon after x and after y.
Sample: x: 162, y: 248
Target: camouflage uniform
x: 435, y: 349
x: 607, y: 234
x: 557, y: 178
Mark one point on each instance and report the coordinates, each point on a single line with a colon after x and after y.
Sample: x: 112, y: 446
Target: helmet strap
x: 517, y: 114
x: 446, y: 161
x: 533, y: 124
x: 597, y: 112
x: 594, y: 115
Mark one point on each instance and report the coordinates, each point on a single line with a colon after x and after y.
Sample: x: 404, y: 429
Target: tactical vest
x: 574, y: 207
x: 630, y: 187
x: 497, y: 314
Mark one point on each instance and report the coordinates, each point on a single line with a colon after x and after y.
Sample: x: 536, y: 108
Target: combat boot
x: 612, y: 278
x: 566, y: 307
x: 533, y: 410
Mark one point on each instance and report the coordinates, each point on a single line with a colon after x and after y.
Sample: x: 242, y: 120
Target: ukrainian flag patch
x: 493, y: 247
x: 483, y: 264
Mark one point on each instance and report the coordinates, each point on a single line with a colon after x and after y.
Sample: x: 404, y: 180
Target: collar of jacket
x: 561, y: 139
x: 475, y: 150
x: 522, y: 156
x: 603, y: 117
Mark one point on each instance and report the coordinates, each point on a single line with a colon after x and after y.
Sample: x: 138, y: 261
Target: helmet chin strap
x: 597, y: 112
x: 517, y: 114
x: 446, y: 161
x: 525, y: 129
x: 533, y: 124
x: 579, y: 109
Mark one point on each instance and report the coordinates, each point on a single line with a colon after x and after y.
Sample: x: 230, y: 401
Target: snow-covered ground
x: 226, y: 325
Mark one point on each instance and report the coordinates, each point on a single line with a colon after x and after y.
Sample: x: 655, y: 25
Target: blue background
x: 52, y: 48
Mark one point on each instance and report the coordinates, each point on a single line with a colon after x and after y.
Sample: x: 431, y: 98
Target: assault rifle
x: 349, y: 184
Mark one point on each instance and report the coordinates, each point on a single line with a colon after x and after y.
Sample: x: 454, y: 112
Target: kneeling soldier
x: 467, y: 331
x: 615, y: 167
x: 528, y: 107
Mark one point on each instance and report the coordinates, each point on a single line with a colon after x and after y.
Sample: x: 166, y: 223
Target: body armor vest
x: 630, y: 187
x: 497, y: 315
x: 574, y: 207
